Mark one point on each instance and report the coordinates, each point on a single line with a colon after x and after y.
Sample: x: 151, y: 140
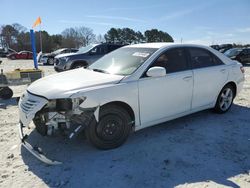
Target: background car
x: 21, y: 55
x: 84, y: 57
x: 216, y: 47
x: 5, y: 51
x: 48, y: 59
x: 240, y: 54
x: 224, y: 47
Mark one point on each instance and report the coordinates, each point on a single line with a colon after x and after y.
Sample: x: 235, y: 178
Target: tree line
x: 17, y: 37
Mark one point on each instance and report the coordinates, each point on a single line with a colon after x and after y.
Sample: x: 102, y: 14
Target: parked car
x: 224, y: 47
x: 240, y: 54
x: 84, y: 57
x: 20, y: 55
x: 133, y: 87
x: 5, y: 51
x: 48, y: 59
x: 216, y: 47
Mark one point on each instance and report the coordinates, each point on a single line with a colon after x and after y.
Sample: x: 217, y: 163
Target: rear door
x: 210, y: 75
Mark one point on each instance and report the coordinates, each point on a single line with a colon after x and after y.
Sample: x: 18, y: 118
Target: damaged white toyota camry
x: 131, y: 88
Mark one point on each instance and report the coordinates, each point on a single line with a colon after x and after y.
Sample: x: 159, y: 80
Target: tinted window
x: 246, y: 52
x: 203, y: 58
x: 102, y: 49
x: 99, y: 50
x: 113, y: 47
x: 216, y: 60
x: 173, y: 60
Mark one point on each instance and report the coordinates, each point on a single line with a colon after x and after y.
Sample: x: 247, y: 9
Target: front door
x: 167, y: 96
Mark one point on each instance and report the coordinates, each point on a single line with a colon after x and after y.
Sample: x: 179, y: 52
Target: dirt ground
x: 199, y: 150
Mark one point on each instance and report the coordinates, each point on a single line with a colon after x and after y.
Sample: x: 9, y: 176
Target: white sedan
x: 134, y: 87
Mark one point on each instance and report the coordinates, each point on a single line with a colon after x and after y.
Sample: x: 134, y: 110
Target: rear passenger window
x: 173, y: 60
x: 203, y: 58
x: 113, y: 47
x: 102, y: 49
x: 216, y: 60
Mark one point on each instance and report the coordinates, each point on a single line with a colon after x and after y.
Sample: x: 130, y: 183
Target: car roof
x: 163, y: 45
x: 24, y: 51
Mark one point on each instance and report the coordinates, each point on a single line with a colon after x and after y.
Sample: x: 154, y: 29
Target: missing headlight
x: 63, y: 104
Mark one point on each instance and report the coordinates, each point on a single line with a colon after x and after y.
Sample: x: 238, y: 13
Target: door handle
x: 187, y: 78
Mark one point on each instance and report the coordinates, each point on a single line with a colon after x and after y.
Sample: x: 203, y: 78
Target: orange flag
x: 37, y: 22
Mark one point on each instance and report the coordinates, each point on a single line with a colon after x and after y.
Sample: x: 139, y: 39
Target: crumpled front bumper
x: 37, y: 152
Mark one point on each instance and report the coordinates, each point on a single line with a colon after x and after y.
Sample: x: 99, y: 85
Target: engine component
x: 63, y: 104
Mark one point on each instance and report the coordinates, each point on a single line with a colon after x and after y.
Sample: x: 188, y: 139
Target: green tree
x: 154, y: 35
x: 112, y: 35
x: 9, y: 35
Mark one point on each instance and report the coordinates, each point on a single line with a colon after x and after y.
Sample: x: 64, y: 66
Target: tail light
x: 242, y: 69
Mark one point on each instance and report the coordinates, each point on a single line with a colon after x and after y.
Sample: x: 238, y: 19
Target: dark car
x: 20, y: 55
x: 48, y: 59
x: 84, y: 57
x: 216, y: 47
x: 239, y: 54
x: 224, y: 47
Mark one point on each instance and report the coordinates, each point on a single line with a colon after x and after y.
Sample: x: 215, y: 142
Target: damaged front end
x: 52, y: 117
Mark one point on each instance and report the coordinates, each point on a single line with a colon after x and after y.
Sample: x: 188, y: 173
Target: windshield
x: 85, y: 49
x: 58, y: 51
x: 123, y: 61
x: 233, y: 52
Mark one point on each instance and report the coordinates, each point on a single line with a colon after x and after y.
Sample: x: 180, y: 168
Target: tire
x: 6, y: 93
x: 78, y: 65
x: 112, y: 130
x: 50, y: 61
x: 40, y: 124
x: 225, y: 99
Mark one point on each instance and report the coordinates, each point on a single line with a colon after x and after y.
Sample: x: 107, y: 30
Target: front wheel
x: 225, y: 99
x: 112, y: 130
x: 50, y: 61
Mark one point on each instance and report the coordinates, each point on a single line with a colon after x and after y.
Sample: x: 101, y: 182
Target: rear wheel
x: 112, y: 130
x: 225, y: 99
x: 6, y: 93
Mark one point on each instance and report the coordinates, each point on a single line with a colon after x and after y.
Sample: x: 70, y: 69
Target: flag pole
x: 41, y: 44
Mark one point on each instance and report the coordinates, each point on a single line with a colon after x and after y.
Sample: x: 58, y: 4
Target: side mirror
x: 156, y: 72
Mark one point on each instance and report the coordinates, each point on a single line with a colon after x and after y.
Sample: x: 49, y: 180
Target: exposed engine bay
x: 52, y: 117
x: 63, y: 116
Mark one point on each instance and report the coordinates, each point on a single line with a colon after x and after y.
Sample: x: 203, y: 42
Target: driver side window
x: 93, y: 51
x: 173, y: 60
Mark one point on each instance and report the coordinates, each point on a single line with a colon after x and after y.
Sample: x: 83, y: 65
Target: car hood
x: 63, y: 85
x: 64, y: 55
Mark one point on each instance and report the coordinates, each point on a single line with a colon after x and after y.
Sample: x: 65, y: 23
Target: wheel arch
x: 233, y: 84
x: 83, y: 62
x: 123, y: 105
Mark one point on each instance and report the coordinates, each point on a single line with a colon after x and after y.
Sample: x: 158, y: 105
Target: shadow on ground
x: 10, y: 102
x: 200, y: 147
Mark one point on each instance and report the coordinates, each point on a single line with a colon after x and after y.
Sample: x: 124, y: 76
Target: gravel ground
x: 199, y: 150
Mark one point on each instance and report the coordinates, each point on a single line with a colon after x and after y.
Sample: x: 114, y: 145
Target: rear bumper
x: 36, y: 151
